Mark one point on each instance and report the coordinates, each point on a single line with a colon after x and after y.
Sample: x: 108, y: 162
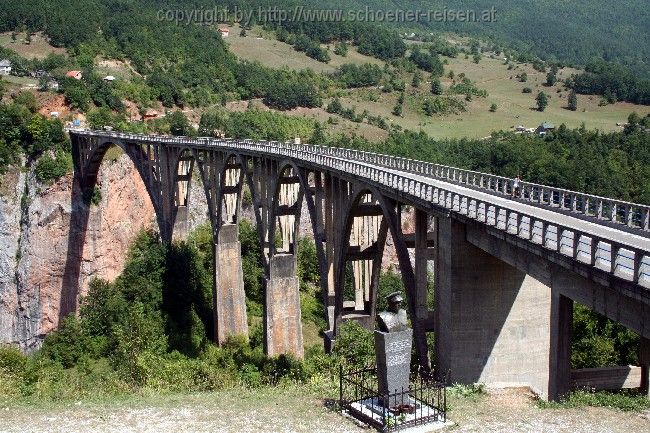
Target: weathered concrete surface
x: 31, y: 287
x: 492, y: 320
x: 283, y: 328
x: 230, y: 298
x: 607, y: 378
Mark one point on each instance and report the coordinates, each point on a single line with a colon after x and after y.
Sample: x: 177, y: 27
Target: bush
x: 365, y: 75
x: 12, y: 360
x: 355, y: 345
x: 49, y: 169
x: 624, y: 400
x: 69, y: 344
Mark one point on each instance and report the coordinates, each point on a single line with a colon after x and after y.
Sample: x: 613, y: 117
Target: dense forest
x: 554, y: 30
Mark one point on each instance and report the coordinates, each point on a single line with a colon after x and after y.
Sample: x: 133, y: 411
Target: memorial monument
x: 393, y: 342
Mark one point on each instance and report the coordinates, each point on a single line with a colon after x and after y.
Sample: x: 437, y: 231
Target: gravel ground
x: 292, y: 410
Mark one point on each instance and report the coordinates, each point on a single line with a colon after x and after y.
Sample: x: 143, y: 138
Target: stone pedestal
x: 393, y: 353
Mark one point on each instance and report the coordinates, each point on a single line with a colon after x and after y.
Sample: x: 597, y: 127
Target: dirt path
x: 291, y: 410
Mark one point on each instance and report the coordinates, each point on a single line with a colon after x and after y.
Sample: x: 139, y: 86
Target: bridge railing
x: 633, y: 215
x: 629, y: 259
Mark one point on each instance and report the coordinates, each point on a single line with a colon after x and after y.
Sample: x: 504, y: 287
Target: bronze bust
x: 394, y: 318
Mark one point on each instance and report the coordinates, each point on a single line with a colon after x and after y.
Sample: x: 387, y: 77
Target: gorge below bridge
x: 506, y: 269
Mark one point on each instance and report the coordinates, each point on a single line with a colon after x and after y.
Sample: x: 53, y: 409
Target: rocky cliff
x: 45, y: 234
x: 41, y: 238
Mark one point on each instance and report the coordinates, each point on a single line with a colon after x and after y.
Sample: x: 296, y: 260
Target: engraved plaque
x: 393, y: 354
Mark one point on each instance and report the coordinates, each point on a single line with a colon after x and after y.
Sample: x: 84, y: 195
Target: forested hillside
x: 571, y: 31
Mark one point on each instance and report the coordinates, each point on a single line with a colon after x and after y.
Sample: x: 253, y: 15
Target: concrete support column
x: 560, y: 346
x: 229, y: 296
x: 282, y: 319
x: 180, y: 224
x: 644, y: 362
x: 491, y: 320
x: 421, y: 258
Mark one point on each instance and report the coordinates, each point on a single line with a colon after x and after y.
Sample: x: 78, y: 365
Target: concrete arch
x: 287, y: 189
x: 181, y: 185
x: 229, y: 191
x: 88, y: 155
x: 90, y: 170
x: 387, y: 208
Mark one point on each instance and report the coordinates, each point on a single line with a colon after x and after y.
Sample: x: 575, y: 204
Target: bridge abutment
x: 229, y: 296
x: 282, y: 318
x: 493, y: 320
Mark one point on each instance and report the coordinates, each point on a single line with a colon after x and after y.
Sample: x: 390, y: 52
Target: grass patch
x: 471, y: 391
x: 39, y: 48
x: 626, y: 400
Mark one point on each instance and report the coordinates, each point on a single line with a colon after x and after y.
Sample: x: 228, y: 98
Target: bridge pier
x: 282, y: 318
x: 644, y: 362
x: 493, y: 320
x: 229, y: 296
x: 181, y: 226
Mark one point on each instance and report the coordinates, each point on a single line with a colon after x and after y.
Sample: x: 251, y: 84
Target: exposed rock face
x: 35, y: 284
x: 47, y: 250
x: 10, y: 214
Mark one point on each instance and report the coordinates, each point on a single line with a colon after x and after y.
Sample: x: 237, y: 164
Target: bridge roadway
x: 586, y: 238
x: 592, y: 229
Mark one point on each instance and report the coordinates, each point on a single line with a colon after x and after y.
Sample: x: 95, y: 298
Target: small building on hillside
x: 109, y: 78
x: 5, y: 67
x: 74, y: 74
x: 224, y: 32
x: 544, y: 128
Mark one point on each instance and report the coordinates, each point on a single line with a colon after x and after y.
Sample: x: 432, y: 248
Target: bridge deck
x: 609, y: 234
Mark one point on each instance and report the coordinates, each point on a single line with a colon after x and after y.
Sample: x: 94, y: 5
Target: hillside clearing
x: 39, y: 48
x: 264, y: 48
x: 513, y: 106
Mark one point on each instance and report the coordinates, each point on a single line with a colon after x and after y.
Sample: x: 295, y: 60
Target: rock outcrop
x: 52, y: 244
x: 43, y: 240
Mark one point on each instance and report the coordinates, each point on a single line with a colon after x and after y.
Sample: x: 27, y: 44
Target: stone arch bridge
x: 507, y: 269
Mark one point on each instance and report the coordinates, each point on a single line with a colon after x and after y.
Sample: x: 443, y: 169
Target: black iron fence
x: 424, y: 401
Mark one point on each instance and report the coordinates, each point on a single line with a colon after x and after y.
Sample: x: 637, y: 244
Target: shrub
x: 49, y: 169
x: 68, y: 344
x: 12, y: 360
x: 355, y: 345
x: 351, y: 75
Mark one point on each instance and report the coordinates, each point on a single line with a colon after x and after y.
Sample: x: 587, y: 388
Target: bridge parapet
x: 633, y: 215
x: 469, y: 194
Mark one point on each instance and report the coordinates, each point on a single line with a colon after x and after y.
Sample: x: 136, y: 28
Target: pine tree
x: 417, y: 79
x: 318, y: 137
x: 542, y: 101
x: 436, y: 86
x: 573, y: 101
x: 551, y: 78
